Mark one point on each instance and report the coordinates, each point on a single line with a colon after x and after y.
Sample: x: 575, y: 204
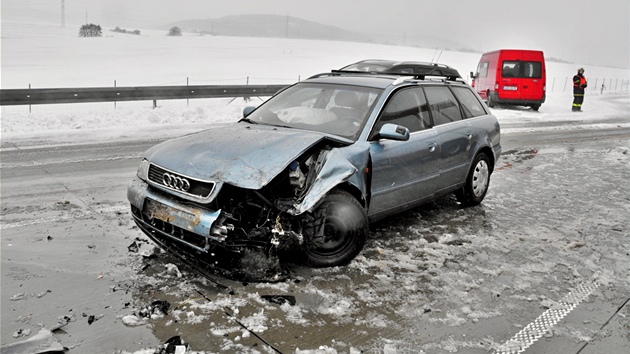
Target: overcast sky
x: 580, y: 31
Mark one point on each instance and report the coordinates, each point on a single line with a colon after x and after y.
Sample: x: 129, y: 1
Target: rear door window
x: 522, y: 69
x: 471, y: 106
x: 443, y: 105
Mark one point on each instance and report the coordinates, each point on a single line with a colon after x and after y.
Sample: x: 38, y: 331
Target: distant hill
x: 293, y: 27
x: 263, y: 26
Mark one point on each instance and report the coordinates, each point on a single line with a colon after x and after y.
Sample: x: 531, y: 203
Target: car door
x: 454, y: 135
x: 404, y: 173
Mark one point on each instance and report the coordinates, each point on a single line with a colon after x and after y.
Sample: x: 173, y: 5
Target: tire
x: 477, y: 182
x: 338, y: 232
x: 490, y: 101
x: 535, y: 107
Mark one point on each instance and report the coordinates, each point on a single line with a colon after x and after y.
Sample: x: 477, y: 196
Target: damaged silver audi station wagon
x: 306, y: 171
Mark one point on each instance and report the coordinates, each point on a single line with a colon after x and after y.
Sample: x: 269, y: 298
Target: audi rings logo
x: 176, y: 182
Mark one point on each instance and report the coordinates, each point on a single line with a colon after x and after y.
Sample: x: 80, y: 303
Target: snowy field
x: 446, y: 271
x: 50, y: 56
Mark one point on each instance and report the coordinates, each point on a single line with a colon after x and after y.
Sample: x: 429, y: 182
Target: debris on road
x: 133, y: 248
x: 174, y: 345
x: 280, y: 299
x: 42, y: 342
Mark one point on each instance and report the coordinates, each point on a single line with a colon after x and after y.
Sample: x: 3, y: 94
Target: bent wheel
x: 338, y: 232
x: 477, y: 181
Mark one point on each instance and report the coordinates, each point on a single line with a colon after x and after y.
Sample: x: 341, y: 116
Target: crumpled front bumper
x: 156, y: 213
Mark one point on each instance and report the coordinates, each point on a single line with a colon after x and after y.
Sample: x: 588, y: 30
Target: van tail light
x: 544, y: 87
x: 496, y: 86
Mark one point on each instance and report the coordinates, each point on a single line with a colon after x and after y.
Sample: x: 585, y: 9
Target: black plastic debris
x: 173, y: 345
x: 161, y: 305
x: 157, y: 308
x: 91, y: 318
x: 133, y: 248
x: 280, y: 299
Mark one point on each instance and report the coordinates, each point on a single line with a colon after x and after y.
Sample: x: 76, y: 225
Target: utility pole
x: 63, y: 13
x: 286, y: 34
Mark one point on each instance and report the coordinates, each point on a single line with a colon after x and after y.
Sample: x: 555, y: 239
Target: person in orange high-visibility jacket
x: 579, y: 84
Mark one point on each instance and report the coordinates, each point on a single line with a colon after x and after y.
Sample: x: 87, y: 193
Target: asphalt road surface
x: 540, y: 267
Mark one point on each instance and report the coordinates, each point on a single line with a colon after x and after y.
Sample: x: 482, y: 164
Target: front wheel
x: 338, y: 232
x: 477, y: 181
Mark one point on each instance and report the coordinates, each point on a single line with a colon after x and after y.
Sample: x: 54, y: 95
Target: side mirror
x: 393, y: 132
x: 248, y: 110
x: 472, y: 75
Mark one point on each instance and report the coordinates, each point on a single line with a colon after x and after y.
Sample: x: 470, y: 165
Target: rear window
x: 522, y: 69
x: 469, y: 101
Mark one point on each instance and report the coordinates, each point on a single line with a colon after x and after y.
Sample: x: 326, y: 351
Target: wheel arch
x: 488, y: 152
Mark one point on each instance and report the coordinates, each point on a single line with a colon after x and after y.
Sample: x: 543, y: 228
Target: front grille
x: 198, y: 188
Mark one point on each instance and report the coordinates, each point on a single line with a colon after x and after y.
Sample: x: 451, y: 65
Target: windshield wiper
x: 245, y: 119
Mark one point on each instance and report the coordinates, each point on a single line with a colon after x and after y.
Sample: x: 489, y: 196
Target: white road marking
x: 533, y: 331
x: 74, y: 215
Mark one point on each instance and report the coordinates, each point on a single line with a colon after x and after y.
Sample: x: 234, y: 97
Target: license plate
x: 157, y: 210
x: 510, y: 88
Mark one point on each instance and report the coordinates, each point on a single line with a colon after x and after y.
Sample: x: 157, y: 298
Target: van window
x: 482, y: 69
x: 469, y: 101
x: 408, y: 107
x: 443, y: 105
x: 522, y: 69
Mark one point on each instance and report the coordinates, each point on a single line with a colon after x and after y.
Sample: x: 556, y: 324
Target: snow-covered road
x: 545, y: 256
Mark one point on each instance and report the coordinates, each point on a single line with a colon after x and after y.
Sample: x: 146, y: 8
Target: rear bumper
x: 517, y: 102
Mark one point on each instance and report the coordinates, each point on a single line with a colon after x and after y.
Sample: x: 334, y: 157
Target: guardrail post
x: 187, y: 100
x: 565, y: 84
x: 154, y: 104
x: 114, y: 101
x: 29, y: 106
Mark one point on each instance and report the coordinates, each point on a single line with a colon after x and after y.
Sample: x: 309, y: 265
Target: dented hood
x: 243, y: 155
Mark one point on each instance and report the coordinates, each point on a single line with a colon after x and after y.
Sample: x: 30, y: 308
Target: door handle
x: 432, y: 147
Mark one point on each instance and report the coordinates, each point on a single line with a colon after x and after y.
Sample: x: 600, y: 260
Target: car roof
x: 377, y: 80
x: 441, y: 68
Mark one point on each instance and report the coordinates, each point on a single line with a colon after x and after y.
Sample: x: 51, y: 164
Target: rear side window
x: 471, y: 107
x: 522, y: 69
x: 443, y: 105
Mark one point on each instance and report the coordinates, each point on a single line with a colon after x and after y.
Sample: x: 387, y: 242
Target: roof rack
x: 417, y: 76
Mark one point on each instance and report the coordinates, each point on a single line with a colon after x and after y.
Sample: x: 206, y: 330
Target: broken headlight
x: 143, y: 170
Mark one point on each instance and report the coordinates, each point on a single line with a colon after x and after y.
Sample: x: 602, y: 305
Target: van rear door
x: 522, y: 75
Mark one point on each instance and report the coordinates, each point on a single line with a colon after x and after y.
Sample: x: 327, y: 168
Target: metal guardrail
x: 11, y: 97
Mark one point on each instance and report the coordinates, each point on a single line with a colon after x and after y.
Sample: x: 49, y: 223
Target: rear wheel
x: 535, y: 107
x: 339, y: 231
x: 473, y: 192
x: 490, y: 101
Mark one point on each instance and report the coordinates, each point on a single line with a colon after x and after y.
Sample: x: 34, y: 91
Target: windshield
x: 333, y: 109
